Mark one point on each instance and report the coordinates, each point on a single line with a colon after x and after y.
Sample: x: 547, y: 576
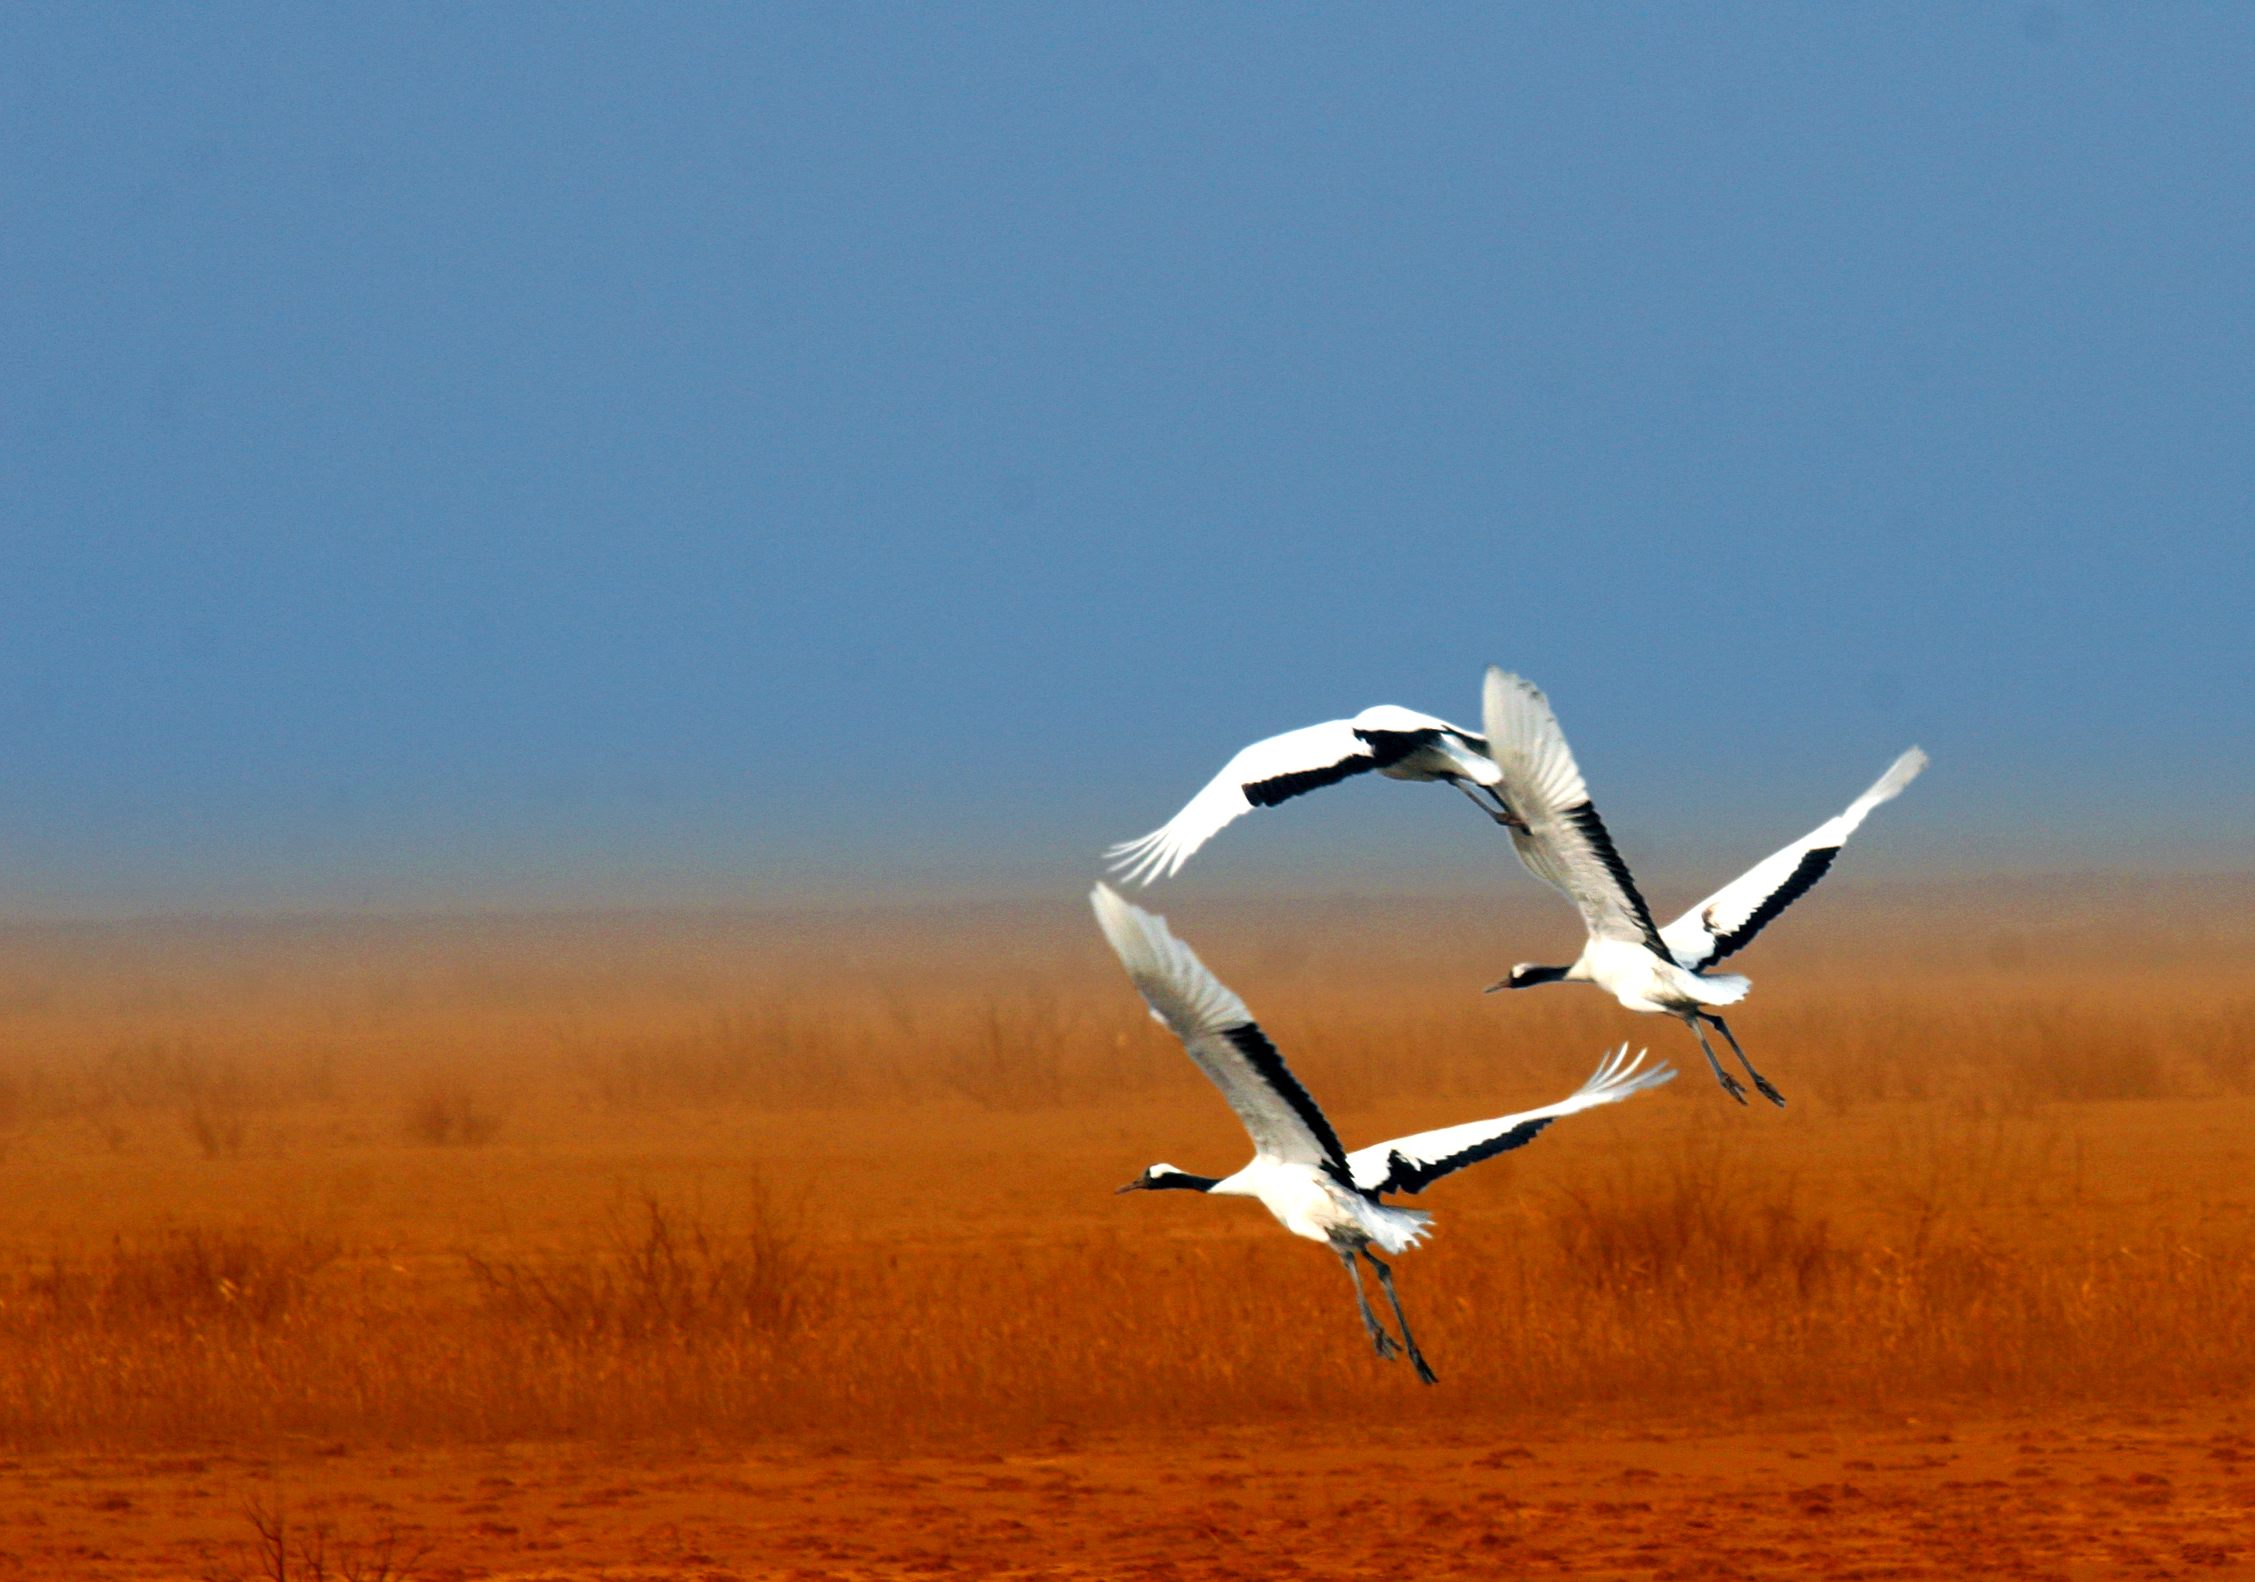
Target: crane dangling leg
x: 1386, y: 1344
x: 1731, y: 1085
x: 1760, y: 1081
x: 1386, y: 1279
x: 1494, y: 806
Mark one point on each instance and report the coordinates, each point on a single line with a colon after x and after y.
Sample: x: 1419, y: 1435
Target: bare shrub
x: 217, y: 1132
x: 1011, y: 1056
x: 444, y: 1114
x: 663, y: 1272
x: 2079, y: 1058
x: 1948, y: 1170
x: 287, y: 1550
x: 1011, y: 1053
x: 214, y: 1095
x: 184, y: 1279
x: 764, y: 1057
x: 2221, y: 1043
x: 16, y: 1109
x: 179, y: 1072
x: 1698, y: 1225
x: 1039, y: 1050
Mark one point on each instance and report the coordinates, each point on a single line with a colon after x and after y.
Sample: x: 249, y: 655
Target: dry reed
x: 2009, y: 1189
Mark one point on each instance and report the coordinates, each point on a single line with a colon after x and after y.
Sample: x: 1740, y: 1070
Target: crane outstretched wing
x: 1410, y: 1164
x: 1728, y: 920
x: 1221, y: 1035
x: 1282, y: 767
x: 1564, y: 843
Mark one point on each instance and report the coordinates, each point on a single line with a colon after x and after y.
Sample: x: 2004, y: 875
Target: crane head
x: 1165, y: 1177
x: 1526, y: 975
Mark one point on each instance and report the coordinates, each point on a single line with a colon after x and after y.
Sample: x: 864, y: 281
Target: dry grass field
x: 807, y: 1224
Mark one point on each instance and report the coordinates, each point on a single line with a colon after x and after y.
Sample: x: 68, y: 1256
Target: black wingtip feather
x: 1409, y: 1177
x: 1282, y: 788
x: 1583, y: 816
x: 1812, y: 867
x: 1261, y: 1055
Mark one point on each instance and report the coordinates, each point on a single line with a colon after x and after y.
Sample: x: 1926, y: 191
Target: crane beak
x: 1133, y: 1186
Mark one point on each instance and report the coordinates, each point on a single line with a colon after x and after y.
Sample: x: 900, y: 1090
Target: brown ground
x: 786, y: 1247
x: 2070, y: 1494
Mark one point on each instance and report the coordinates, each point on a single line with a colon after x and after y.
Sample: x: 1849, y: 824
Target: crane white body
x: 1641, y: 981
x: 1309, y: 1203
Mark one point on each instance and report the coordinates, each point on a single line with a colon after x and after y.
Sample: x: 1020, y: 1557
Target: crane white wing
x: 1565, y: 843
x: 1275, y: 770
x: 1728, y: 920
x: 1220, y: 1035
x: 1410, y: 1164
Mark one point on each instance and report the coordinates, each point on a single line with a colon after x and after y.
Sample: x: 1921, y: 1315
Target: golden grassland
x: 850, y: 1177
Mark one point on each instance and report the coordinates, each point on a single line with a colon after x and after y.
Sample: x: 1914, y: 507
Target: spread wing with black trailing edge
x: 1279, y: 768
x: 1728, y: 920
x: 1220, y: 1034
x: 1410, y: 1164
x: 1564, y: 843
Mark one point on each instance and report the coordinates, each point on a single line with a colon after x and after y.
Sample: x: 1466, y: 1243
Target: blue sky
x: 463, y: 456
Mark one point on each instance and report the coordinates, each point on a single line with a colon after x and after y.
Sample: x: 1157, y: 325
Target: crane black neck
x: 1179, y: 1181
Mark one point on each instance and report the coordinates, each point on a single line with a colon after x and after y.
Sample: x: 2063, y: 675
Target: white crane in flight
x: 1299, y: 1171
x: 1563, y: 842
x: 1398, y: 743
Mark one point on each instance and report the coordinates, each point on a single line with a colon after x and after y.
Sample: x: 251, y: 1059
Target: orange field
x: 762, y: 1245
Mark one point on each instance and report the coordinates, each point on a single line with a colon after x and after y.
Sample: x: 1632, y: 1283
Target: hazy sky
x: 713, y: 453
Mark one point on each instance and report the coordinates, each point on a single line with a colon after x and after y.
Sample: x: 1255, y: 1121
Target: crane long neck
x: 1180, y: 1181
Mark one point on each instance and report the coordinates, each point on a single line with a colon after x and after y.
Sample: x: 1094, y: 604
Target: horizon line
x: 852, y: 902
